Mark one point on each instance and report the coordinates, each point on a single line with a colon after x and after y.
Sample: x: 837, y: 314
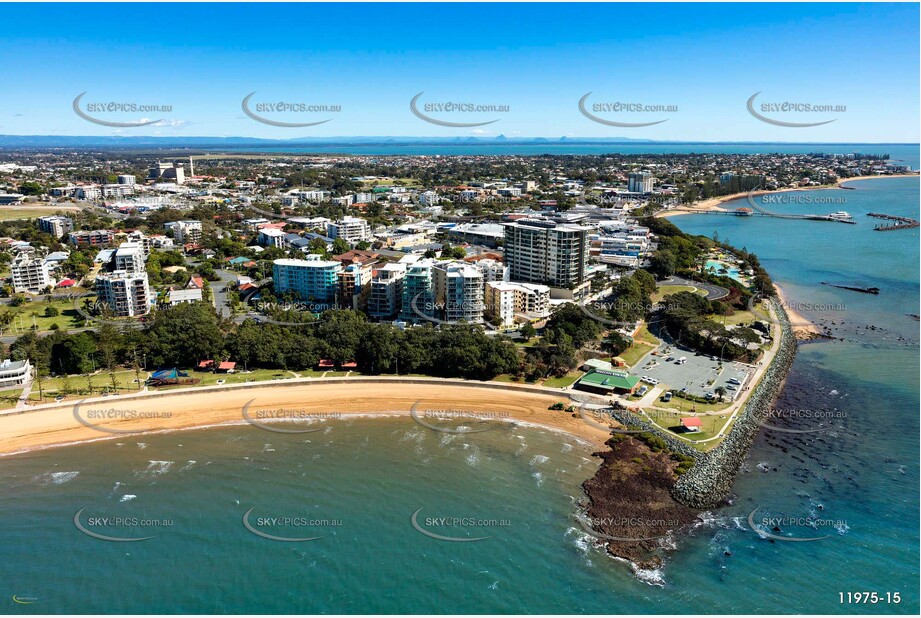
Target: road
x: 714, y: 292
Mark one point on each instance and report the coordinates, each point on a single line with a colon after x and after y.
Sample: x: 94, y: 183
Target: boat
x: 855, y: 288
x: 841, y: 215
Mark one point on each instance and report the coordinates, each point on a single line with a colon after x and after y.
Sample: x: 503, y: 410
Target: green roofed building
x: 607, y: 382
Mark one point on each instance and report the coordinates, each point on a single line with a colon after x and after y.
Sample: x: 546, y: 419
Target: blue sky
x: 537, y: 59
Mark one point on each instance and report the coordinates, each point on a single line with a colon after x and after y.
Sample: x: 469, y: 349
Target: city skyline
x: 521, y: 64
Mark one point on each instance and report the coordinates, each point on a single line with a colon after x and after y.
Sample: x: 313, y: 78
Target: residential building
x: 493, y: 270
x: 350, y: 229
x: 56, y: 225
x: 546, y: 252
x: 92, y: 238
x: 310, y: 279
x: 354, y: 282
x: 386, y: 295
x: 127, y: 294
x: 142, y: 240
x: 458, y: 291
x: 126, y: 179
x: 418, y: 292
x: 186, y: 295
x: 504, y: 302
x: 31, y: 274
x: 640, y: 182
x: 129, y: 257
x: 272, y: 237
x: 185, y: 232
x: 15, y: 373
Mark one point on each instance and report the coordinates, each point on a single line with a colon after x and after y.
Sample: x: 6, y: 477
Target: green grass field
x: 564, y: 381
x: 80, y: 386
x: 32, y: 314
x: 9, y: 213
x: 663, y: 291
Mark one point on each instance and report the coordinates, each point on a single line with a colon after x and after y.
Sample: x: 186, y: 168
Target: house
x: 188, y: 295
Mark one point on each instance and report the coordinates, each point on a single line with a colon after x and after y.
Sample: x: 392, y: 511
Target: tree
x: 720, y: 391
x: 340, y: 246
x: 31, y: 188
x: 528, y: 331
x: 51, y: 312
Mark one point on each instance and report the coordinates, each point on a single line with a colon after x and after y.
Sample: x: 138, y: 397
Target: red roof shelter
x: 691, y: 423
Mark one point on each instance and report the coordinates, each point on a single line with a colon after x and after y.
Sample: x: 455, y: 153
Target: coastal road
x: 714, y: 292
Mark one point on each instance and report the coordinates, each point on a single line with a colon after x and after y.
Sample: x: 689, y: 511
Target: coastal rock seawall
x: 709, y: 482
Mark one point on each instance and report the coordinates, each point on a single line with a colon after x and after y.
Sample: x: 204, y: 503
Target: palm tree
x: 720, y: 392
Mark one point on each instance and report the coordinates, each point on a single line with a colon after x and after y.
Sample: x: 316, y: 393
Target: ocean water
x: 357, y: 484
x: 907, y: 153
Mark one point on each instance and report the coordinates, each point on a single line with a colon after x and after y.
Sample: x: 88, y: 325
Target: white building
x: 272, y: 237
x: 507, y: 301
x: 640, y: 182
x: 129, y: 257
x: 493, y: 270
x: 126, y: 179
x: 56, y: 225
x: 546, y: 252
x: 143, y: 241
x: 458, y: 289
x: 126, y: 294
x: 350, y: 229
x: 170, y: 172
x: 385, y: 298
x: 31, y: 274
x: 187, y: 295
x: 185, y: 232
x: 15, y: 373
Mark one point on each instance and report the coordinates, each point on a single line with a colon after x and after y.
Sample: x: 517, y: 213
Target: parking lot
x: 694, y: 374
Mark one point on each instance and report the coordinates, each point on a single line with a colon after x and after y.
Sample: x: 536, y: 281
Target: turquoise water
x: 371, y: 475
x: 716, y: 267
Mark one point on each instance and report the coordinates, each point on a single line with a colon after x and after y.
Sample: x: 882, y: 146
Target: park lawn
x: 9, y: 398
x: 739, y: 317
x: 33, y: 314
x: 684, y: 405
x: 645, y: 336
x: 663, y: 291
x: 208, y: 378
x: 11, y: 213
x: 710, y: 425
x: 564, y: 381
x: 637, y: 350
x: 387, y: 182
x: 507, y: 377
x: 81, y: 386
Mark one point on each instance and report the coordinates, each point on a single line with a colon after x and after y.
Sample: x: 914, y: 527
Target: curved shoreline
x: 56, y: 425
x: 714, y: 203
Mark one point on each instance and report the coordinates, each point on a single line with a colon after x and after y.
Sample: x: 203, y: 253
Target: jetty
x: 900, y: 223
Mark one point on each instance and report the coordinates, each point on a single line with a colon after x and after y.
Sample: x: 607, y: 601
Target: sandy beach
x: 200, y: 407
x: 803, y: 329
x: 715, y: 203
